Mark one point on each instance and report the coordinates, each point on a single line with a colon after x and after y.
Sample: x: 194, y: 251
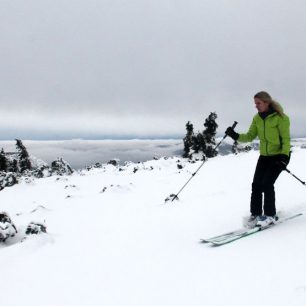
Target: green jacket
x: 273, y: 133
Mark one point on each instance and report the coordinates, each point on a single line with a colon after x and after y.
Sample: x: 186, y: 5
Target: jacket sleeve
x: 251, y: 134
x: 284, y: 133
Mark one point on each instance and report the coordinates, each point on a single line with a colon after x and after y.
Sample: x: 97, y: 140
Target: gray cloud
x: 81, y: 153
x: 144, y: 68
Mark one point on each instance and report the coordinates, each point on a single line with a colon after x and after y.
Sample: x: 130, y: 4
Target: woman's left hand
x: 282, y: 161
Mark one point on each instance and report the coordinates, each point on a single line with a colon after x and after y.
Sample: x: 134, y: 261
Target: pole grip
x: 234, y: 125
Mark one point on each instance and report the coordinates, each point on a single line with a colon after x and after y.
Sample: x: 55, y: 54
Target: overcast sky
x: 143, y: 68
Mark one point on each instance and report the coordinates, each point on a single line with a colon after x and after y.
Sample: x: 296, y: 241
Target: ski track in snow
x: 112, y: 240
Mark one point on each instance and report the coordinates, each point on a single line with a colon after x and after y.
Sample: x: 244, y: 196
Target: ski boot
x: 251, y: 222
x: 264, y: 220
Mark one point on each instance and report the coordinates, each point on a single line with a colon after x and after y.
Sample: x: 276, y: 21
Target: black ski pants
x: 266, y: 173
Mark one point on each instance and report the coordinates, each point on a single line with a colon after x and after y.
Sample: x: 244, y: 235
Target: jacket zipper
x: 265, y: 136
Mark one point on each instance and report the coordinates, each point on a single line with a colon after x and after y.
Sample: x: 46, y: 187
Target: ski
x: 225, y: 236
x: 241, y: 233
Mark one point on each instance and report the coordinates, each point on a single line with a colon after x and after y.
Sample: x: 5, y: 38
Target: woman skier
x: 272, y: 127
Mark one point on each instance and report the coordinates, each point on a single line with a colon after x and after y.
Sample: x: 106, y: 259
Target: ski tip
x: 212, y: 242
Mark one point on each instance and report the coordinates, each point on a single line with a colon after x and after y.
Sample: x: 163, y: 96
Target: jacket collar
x: 264, y: 115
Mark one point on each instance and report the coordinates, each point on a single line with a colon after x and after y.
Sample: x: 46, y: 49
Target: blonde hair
x: 266, y: 98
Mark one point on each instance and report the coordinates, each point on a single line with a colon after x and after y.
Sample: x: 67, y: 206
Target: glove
x: 282, y: 161
x: 231, y: 133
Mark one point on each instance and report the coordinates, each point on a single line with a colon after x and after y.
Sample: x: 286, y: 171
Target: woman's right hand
x: 231, y: 133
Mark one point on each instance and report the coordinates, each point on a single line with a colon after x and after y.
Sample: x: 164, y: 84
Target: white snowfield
x: 113, y: 241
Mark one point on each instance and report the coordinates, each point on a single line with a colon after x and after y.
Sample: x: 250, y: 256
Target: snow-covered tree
x: 202, y: 141
x: 7, y: 228
x: 197, y: 142
x: 238, y: 148
x: 8, y: 179
x: 24, y: 159
x: 13, y: 166
x: 209, y: 135
x: 61, y: 167
x: 3, y: 161
x: 188, y: 139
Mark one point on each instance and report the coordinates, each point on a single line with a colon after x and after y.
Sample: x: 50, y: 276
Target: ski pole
x: 215, y: 148
x: 295, y: 176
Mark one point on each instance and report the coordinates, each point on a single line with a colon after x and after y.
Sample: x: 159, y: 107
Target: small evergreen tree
x: 201, y: 142
x: 188, y: 139
x: 24, y: 158
x: 13, y: 166
x: 238, y: 148
x: 3, y: 161
x: 61, y: 167
x: 196, y: 143
x: 209, y: 135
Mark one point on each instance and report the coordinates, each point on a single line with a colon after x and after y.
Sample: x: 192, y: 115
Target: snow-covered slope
x: 113, y: 241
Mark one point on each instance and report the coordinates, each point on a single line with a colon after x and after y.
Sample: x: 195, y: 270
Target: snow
x: 124, y: 246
